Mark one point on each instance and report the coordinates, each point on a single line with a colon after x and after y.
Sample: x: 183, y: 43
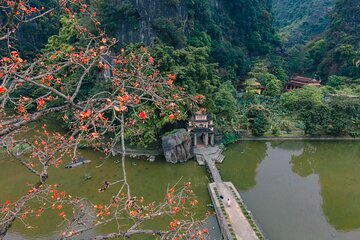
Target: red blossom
x: 95, y: 135
x: 2, y: 90
x: 151, y: 60
x: 143, y: 115
x: 41, y: 104
x: 62, y: 214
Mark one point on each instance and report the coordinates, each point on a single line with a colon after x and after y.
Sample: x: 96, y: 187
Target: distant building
x: 256, y: 86
x: 201, y: 129
x: 250, y: 85
x: 300, y: 82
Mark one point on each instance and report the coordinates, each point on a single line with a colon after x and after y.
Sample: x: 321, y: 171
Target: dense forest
x: 335, y: 50
x: 298, y: 21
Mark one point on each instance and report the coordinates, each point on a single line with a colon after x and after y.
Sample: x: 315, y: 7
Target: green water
x: 299, y: 190
x: 149, y: 180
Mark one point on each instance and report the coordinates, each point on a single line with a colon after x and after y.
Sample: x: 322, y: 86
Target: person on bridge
x: 228, y: 202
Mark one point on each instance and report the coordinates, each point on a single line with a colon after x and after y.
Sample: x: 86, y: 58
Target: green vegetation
x: 216, y: 49
x: 336, y: 51
x: 300, y: 20
x: 337, y: 114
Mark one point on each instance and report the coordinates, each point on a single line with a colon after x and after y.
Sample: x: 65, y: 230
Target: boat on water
x: 151, y: 158
x: 78, y: 162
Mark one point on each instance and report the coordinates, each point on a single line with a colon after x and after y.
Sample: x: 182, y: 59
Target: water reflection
x: 248, y: 156
x: 299, y: 190
x: 338, y: 168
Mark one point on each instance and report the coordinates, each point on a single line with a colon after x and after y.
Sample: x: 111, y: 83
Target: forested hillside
x: 343, y: 40
x: 299, y: 20
x: 232, y: 30
x: 336, y: 51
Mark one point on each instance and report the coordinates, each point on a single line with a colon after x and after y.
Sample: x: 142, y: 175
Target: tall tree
x: 51, y: 84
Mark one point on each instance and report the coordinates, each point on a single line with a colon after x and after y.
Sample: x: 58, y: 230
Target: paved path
x: 213, y: 170
x: 238, y: 221
x: 232, y: 220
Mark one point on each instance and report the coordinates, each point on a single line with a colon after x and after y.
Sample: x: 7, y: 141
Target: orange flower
x: 40, y: 104
x: 95, y: 135
x: 126, y: 98
x: 171, y: 116
x: 85, y: 114
x: 14, y: 54
x: 151, y: 60
x: 120, y: 99
x: 176, y: 210
x: 133, y: 213
x: 62, y: 214
x: 5, y: 59
x: 4, y: 210
x: 120, y: 109
x: 172, y: 77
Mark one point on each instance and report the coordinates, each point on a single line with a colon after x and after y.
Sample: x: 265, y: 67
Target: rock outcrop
x: 177, y: 146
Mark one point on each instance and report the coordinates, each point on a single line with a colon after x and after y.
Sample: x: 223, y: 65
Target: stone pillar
x: 206, y: 139
x: 195, y: 140
x: 212, y: 139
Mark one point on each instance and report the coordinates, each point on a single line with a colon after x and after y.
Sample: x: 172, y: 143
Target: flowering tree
x: 137, y: 99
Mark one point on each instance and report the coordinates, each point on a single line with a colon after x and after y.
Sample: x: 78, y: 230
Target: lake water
x: 297, y: 190
x: 146, y: 179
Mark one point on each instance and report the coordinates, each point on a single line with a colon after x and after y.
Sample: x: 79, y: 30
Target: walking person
x: 228, y: 202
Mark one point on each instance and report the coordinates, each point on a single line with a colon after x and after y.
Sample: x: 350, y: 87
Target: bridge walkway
x: 236, y: 222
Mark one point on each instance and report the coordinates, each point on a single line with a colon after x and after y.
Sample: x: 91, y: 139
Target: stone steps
x: 200, y: 159
x: 220, y: 159
x: 212, y: 153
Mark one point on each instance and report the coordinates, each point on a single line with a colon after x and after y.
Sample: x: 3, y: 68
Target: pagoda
x: 201, y: 129
x: 300, y: 82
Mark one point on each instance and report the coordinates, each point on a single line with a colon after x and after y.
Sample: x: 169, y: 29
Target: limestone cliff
x: 177, y: 146
x: 176, y: 22
x: 133, y: 21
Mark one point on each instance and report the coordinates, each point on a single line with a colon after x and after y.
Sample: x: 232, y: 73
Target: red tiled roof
x: 304, y: 79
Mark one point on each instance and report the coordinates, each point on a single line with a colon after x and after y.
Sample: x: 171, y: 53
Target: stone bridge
x: 236, y: 221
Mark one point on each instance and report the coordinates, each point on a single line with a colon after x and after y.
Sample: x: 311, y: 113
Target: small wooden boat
x: 151, y: 158
x: 78, y: 162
